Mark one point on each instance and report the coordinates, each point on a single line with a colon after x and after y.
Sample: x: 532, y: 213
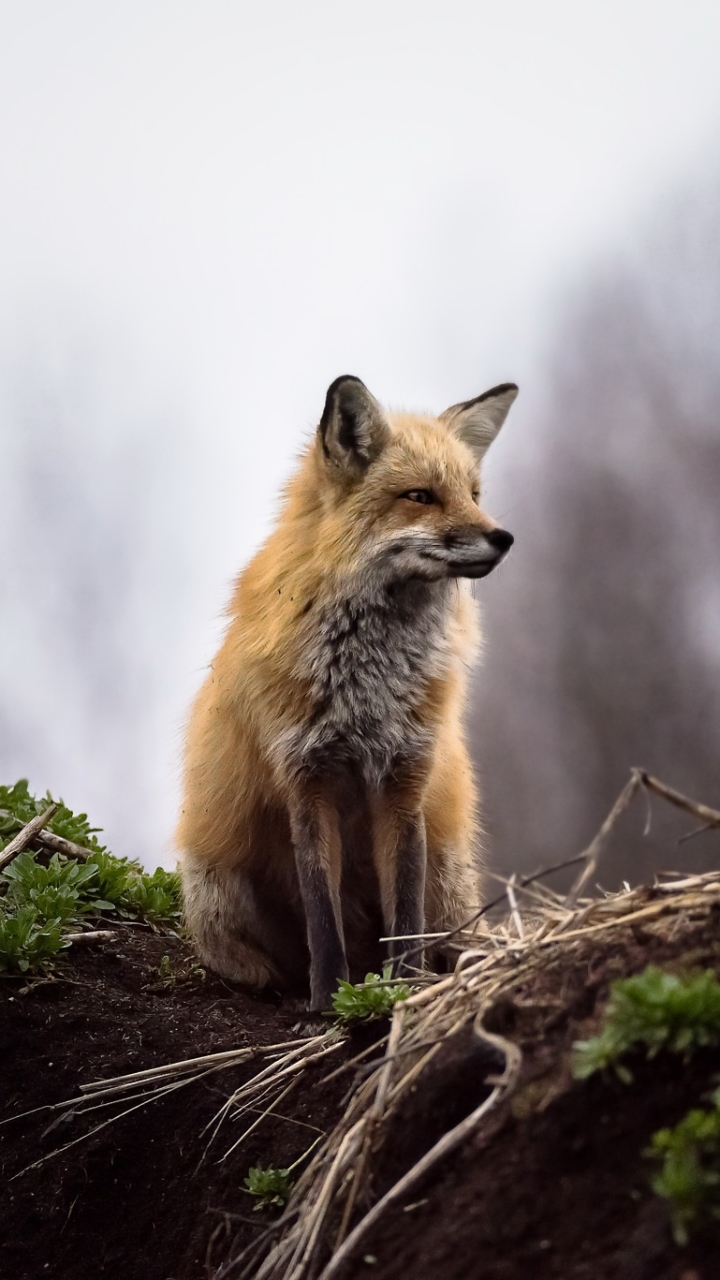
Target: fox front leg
x: 316, y: 839
x: 401, y: 861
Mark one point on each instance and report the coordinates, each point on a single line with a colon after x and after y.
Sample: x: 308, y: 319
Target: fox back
x: 335, y: 702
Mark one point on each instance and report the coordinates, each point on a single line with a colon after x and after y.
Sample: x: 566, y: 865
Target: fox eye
x: 476, y: 495
x: 424, y: 496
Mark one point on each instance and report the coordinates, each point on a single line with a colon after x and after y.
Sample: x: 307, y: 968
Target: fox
x: 328, y: 794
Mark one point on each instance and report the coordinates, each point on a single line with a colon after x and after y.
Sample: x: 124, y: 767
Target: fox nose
x: 500, y: 540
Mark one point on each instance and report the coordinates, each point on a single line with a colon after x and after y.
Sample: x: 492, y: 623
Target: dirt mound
x: 555, y: 1185
x: 136, y: 1201
x: 559, y: 1187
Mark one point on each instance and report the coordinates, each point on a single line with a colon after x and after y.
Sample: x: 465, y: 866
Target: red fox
x: 328, y: 793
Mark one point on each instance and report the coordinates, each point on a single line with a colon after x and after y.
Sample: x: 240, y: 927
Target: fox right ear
x: 353, y: 429
x: 477, y: 422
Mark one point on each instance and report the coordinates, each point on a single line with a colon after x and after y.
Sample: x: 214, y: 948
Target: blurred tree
x: 92, y: 590
x: 604, y: 639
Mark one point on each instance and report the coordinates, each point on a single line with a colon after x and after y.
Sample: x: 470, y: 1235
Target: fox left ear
x: 353, y: 429
x: 477, y: 422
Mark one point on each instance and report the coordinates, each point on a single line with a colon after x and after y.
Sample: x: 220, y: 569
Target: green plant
x: 373, y: 998
x: 27, y: 942
x: 62, y: 890
x: 113, y: 876
x: 123, y: 887
x: 18, y: 807
x: 155, y: 897
x: 40, y: 895
x: 270, y: 1186
x: 172, y: 973
x: 654, y: 1011
x: 690, y: 1175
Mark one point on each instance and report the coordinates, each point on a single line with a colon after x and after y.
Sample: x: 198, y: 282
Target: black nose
x: 500, y: 539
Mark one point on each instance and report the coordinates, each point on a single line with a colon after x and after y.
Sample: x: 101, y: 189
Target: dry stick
x: 259, y: 1120
x: 256, y: 1246
x: 517, y: 921
x: 473, y: 919
x: 638, y: 778
x: 452, y: 1139
x: 348, y: 1066
x: 385, y: 1103
x: 698, y: 831
x: 302, y: 1254
x: 90, y: 935
x: 707, y: 815
x: 28, y: 833
x: 294, y: 1069
x: 294, y: 1062
x: 373, y: 1116
x: 186, y: 1064
x: 593, y: 851
x: 170, y: 1088
x: 56, y: 844
x: 76, y: 1106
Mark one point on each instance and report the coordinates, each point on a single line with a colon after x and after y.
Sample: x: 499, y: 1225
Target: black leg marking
x: 328, y: 962
x: 410, y: 888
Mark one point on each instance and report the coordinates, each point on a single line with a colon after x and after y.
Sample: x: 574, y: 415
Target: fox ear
x: 477, y: 422
x: 353, y: 429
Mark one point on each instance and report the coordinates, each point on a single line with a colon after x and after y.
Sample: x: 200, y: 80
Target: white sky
x: 232, y: 203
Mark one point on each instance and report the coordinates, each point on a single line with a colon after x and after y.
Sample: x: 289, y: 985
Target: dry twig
x: 24, y: 837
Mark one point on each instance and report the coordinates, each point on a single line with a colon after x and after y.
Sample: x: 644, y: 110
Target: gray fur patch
x: 369, y: 661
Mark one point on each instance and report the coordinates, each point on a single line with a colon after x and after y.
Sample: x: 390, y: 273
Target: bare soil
x: 558, y: 1187
x: 136, y: 1201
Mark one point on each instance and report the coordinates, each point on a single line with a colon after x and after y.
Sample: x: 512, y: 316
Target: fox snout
x: 474, y: 553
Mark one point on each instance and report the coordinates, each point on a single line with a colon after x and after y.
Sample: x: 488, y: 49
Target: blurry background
x: 208, y: 210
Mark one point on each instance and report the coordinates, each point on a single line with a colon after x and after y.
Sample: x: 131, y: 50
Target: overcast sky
x: 218, y: 207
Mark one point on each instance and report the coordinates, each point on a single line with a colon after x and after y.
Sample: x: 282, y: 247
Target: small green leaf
x: 655, y: 1011
x: 270, y: 1186
x: 689, y: 1177
x: 373, y: 998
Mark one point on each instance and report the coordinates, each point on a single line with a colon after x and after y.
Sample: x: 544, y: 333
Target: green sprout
x: 270, y: 1186
x: 373, y: 998
x: 654, y: 1011
x: 690, y: 1174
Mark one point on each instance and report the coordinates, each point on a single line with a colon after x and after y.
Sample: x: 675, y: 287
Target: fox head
x: 405, y: 488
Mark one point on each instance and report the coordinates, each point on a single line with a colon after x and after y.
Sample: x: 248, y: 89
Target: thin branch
x: 638, y: 778
x: 448, y: 1143
x: 467, y: 925
x: 594, y: 850
x: 188, y: 1064
x: 517, y: 919
x: 55, y: 843
x: 90, y: 935
x: 697, y: 831
x: 58, y: 844
x: 711, y: 817
x: 28, y: 833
